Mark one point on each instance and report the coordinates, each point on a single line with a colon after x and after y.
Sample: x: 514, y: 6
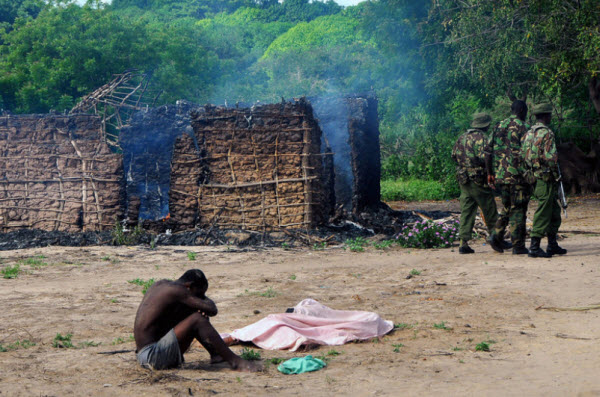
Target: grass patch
x: 357, y: 244
x: 415, y: 272
x: 191, y: 256
x: 20, y: 344
x: 11, y: 271
x: 319, y: 246
x: 401, y: 326
x: 63, y: 342
x: 250, y: 354
x: 383, y: 245
x: 36, y: 262
x: 275, y: 360
x: 120, y: 340
x: 293, y: 277
x: 484, y: 346
x: 441, y: 325
x: 397, y: 347
x: 413, y: 190
x: 329, y: 355
x: 143, y: 283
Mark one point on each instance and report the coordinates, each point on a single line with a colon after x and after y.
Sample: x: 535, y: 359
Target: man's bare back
x: 183, y: 307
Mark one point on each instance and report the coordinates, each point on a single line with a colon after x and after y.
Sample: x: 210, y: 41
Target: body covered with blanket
x: 311, y: 323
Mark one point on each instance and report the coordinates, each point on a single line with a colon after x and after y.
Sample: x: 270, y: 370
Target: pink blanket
x: 311, y: 323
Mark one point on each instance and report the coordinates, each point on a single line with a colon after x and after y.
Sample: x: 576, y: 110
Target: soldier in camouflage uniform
x: 507, y: 176
x: 471, y: 152
x: 541, y: 167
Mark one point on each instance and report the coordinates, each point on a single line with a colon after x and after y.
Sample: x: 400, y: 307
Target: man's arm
x: 204, y: 305
x: 550, y: 154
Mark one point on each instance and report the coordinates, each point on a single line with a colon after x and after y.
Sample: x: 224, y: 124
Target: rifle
x: 561, y: 193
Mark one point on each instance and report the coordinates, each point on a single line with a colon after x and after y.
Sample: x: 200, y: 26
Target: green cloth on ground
x: 299, y: 365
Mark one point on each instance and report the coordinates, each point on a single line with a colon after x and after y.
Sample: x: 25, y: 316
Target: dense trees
x: 431, y: 63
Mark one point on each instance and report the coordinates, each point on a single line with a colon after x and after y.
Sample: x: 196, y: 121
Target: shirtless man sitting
x: 171, y: 315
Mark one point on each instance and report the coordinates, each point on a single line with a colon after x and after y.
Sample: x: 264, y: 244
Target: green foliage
x: 397, y: 347
x: 20, y: 344
x: 483, y: 347
x: 431, y: 64
x: 319, y: 246
x: 382, y: 245
x: 61, y: 341
x: 142, y: 283
x: 329, y: 355
x: 250, y: 354
x: 441, y: 325
x: 414, y: 190
x: 401, y: 326
x: 356, y: 244
x: 427, y: 234
x: 11, y: 271
x: 120, y: 236
x: 414, y: 272
x: 191, y: 255
x: 120, y: 340
x: 35, y: 262
x: 268, y: 293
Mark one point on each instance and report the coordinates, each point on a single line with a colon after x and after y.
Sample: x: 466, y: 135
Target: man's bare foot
x: 246, y: 366
x: 216, y: 359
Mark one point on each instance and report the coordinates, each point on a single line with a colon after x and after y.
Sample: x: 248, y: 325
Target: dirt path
x: 483, y: 297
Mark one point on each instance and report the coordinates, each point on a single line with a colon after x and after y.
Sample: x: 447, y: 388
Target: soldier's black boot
x: 464, y: 248
x: 496, y: 242
x: 520, y: 250
x: 553, y: 247
x: 506, y: 245
x: 535, y: 251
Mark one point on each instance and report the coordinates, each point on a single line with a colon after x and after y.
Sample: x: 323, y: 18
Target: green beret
x: 481, y: 120
x: 542, y: 108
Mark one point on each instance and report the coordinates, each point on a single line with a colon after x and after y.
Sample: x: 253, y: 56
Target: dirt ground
x: 485, y: 297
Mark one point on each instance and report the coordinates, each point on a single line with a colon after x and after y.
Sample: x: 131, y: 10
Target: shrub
x: 417, y: 190
x: 428, y: 234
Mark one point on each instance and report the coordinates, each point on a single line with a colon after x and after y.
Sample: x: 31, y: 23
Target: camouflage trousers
x: 515, y: 199
x: 546, y: 219
x: 473, y: 195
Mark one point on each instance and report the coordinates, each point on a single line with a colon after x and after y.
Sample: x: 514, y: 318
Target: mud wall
x: 350, y: 126
x: 254, y: 168
x: 57, y: 174
x: 147, y: 145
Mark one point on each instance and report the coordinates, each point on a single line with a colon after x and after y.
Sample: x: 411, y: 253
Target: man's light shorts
x: 162, y: 354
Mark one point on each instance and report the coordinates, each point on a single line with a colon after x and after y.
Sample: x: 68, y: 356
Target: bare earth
x: 481, y: 297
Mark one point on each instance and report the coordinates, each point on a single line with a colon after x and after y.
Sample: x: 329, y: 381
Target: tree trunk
x: 595, y: 92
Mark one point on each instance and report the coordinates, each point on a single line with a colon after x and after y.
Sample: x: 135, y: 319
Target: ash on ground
x: 382, y: 222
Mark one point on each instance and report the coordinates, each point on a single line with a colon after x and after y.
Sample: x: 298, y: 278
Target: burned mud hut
x: 188, y: 168
x: 57, y: 174
x: 254, y: 168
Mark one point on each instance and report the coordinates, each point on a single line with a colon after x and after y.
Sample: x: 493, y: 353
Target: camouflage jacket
x: 539, y: 153
x: 505, y: 145
x: 469, y: 152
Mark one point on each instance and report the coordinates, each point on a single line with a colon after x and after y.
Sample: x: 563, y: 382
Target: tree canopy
x: 432, y: 64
